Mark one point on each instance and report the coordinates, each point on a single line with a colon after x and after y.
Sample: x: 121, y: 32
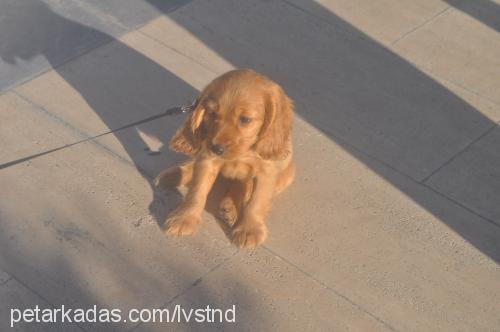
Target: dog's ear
x: 189, y: 137
x: 274, y: 136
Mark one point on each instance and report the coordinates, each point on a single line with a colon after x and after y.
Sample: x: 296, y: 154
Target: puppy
x: 240, y: 129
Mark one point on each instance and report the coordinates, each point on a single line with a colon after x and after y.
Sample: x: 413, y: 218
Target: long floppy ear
x: 274, y: 135
x: 189, y: 137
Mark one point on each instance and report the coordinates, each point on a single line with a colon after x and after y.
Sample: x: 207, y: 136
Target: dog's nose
x: 218, y: 149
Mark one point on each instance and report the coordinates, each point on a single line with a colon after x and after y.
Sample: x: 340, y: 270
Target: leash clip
x: 182, y: 109
x: 190, y: 107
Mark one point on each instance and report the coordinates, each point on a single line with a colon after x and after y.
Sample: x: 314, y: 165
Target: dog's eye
x: 212, y: 115
x: 245, y: 119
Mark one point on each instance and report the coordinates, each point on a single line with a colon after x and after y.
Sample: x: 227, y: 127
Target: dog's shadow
x: 166, y: 199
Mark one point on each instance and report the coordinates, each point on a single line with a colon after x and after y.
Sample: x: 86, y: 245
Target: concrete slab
x: 460, y: 48
x: 473, y: 177
x: 350, y: 88
x: 269, y: 294
x: 404, y: 253
x: 13, y: 295
x: 79, y: 226
x: 39, y: 132
x: 384, y: 21
x: 116, y: 84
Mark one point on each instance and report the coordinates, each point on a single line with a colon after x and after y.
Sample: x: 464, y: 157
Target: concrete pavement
x: 393, y: 222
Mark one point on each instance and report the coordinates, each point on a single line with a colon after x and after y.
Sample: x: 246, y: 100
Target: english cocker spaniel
x: 240, y: 129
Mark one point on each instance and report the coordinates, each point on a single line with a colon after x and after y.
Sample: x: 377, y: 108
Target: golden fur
x: 240, y: 129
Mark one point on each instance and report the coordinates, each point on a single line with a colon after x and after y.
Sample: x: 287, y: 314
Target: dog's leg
x: 234, y: 200
x: 184, y: 219
x: 175, y: 176
x: 250, y: 230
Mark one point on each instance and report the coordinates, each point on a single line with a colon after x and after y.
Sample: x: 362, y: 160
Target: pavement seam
x: 334, y: 291
x: 418, y: 26
x: 193, y: 285
x: 426, y: 70
x: 176, y: 51
x: 458, y: 153
x: 471, y: 211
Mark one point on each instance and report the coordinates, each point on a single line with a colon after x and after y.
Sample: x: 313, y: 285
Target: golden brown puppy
x: 240, y: 129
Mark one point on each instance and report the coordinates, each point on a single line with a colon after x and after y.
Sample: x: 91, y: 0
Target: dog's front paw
x: 249, y: 234
x: 227, y: 211
x: 180, y: 224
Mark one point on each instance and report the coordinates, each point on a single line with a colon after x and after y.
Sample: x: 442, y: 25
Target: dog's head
x: 238, y: 112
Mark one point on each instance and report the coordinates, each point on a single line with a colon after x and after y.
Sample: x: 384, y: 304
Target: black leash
x: 168, y: 112
x: 171, y: 111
